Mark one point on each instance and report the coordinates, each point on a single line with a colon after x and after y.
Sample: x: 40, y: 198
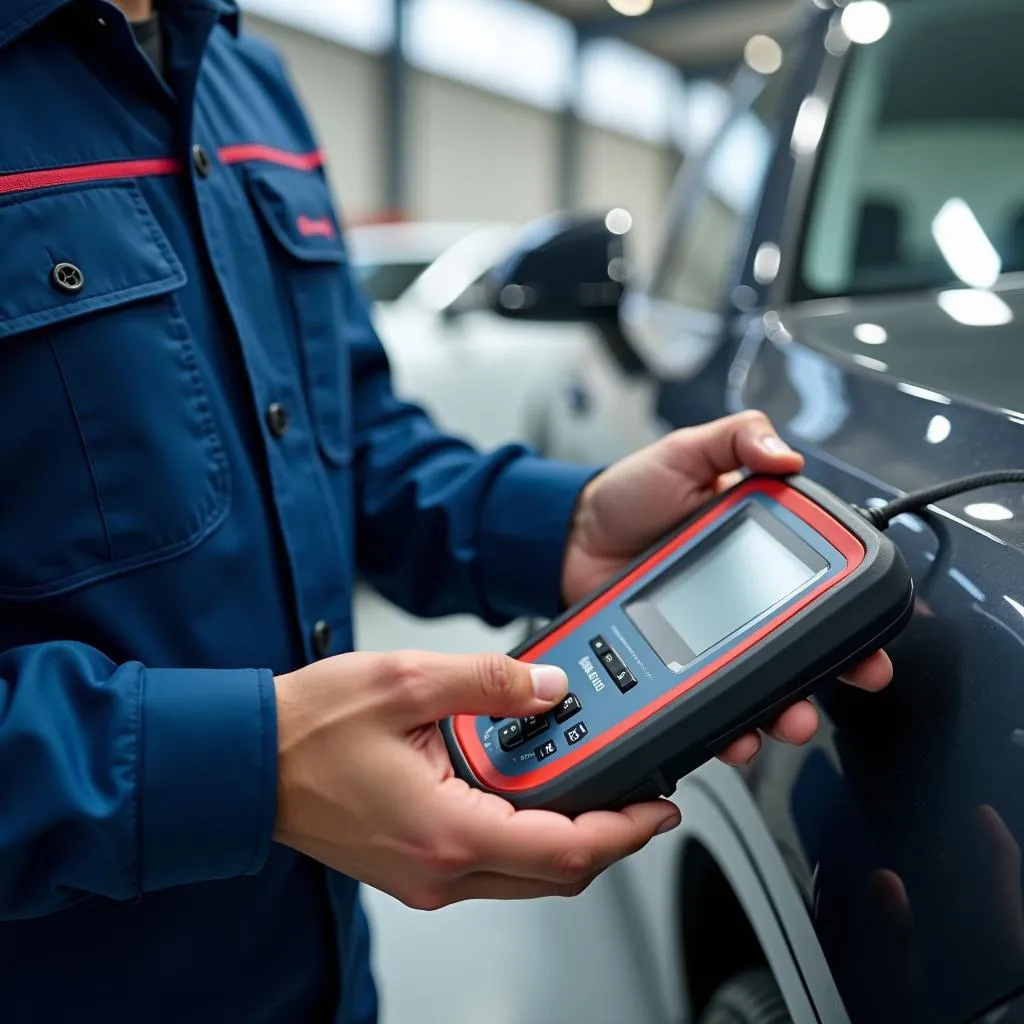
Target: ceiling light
x: 618, y: 221
x: 871, y: 334
x: 631, y: 8
x: 989, y: 512
x: 975, y: 308
x: 965, y: 246
x: 866, y: 21
x: 763, y: 54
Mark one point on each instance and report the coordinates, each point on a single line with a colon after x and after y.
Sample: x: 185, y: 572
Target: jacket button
x: 277, y: 419
x: 68, y: 278
x: 322, y: 635
x: 201, y: 159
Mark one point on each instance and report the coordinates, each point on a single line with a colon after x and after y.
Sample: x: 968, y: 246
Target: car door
x: 884, y: 347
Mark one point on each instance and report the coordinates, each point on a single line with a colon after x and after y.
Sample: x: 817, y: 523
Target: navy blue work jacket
x: 200, y: 453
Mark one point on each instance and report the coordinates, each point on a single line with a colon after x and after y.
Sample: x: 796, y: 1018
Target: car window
x: 387, y: 282
x: 698, y: 269
x: 920, y: 181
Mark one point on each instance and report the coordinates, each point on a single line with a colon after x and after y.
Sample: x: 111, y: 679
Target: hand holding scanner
x: 770, y: 589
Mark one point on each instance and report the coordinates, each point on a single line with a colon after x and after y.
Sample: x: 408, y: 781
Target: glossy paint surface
x: 903, y: 821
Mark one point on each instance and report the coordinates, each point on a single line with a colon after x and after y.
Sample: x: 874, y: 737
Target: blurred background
x: 450, y: 126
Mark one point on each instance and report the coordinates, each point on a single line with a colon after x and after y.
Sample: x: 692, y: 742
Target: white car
x: 482, y: 377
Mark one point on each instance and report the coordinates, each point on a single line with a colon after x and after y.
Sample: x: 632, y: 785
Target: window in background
x: 362, y: 24
x: 506, y: 46
x: 627, y: 90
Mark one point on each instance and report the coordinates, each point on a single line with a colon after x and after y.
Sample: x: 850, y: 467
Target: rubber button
x: 511, y: 735
x: 570, y: 706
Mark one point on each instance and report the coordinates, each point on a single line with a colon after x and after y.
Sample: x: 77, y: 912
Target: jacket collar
x: 18, y: 16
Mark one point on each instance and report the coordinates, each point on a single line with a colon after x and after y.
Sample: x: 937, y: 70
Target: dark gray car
x: 861, y: 281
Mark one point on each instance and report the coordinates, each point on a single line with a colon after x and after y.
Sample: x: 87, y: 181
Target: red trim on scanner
x: 847, y: 544
x: 28, y: 181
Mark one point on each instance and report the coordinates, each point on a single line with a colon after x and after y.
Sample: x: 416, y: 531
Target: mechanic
x: 202, y: 451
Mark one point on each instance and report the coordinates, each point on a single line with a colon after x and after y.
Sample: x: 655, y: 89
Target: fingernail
x: 775, y: 445
x: 549, y: 682
x: 667, y: 825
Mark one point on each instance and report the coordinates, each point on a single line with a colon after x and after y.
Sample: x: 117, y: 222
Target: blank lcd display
x: 725, y: 583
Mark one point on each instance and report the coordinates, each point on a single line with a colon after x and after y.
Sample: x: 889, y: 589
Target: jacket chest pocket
x: 110, y: 458
x: 297, y: 213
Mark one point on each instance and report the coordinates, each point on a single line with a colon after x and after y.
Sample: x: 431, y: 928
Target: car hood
x: 961, y: 343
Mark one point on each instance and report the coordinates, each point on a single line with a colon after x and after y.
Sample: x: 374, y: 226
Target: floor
x: 542, y: 962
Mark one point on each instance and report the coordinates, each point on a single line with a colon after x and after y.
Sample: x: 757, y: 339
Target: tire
x: 751, y: 997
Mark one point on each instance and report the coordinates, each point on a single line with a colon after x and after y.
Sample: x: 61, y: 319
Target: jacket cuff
x: 524, y: 530
x: 207, y: 775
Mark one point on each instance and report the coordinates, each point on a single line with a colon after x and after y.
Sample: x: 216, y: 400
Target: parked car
x: 484, y: 378
x: 848, y: 256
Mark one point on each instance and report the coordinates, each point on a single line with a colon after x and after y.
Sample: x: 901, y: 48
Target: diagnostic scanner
x: 772, y: 588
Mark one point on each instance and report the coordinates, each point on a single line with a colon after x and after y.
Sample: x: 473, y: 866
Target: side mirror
x: 563, y: 268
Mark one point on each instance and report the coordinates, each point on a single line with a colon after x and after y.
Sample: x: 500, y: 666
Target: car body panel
x: 900, y: 825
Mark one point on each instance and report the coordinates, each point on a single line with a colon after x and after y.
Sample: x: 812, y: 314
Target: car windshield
x: 921, y: 179
x: 387, y: 282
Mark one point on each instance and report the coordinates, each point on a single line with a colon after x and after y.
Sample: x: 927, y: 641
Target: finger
x: 796, y: 725
x: 554, y: 848
x: 727, y: 481
x: 486, y: 885
x: 746, y: 439
x: 872, y: 674
x: 741, y: 751
x: 433, y: 686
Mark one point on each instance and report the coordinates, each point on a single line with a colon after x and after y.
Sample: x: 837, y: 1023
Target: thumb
x: 483, y: 684
x: 747, y: 439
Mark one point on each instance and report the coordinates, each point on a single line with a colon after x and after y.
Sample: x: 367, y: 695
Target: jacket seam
x: 85, y: 449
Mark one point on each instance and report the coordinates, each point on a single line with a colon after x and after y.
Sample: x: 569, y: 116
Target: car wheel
x: 751, y: 997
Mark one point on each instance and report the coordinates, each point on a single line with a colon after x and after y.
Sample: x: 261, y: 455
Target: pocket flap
x: 298, y: 208
x: 106, y: 236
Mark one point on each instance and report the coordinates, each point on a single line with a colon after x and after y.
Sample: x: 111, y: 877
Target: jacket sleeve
x: 441, y: 527
x: 117, y: 780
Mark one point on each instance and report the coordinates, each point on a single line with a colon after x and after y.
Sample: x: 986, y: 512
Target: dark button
x: 68, y: 278
x: 599, y: 645
x: 534, y: 726
x: 277, y: 419
x: 624, y: 680
x: 511, y: 735
x: 609, y: 658
x: 576, y: 732
x: 322, y: 635
x: 201, y: 159
x: 545, y: 750
x: 570, y: 706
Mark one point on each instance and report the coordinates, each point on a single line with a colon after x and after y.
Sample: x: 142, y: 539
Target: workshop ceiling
x: 698, y: 36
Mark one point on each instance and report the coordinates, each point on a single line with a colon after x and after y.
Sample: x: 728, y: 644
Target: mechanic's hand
x: 624, y: 510
x: 365, y: 784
